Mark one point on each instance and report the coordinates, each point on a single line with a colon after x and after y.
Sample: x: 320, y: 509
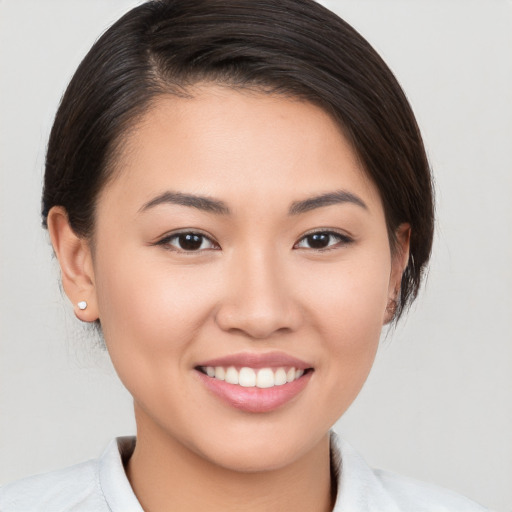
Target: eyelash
x: 166, y: 241
x: 343, y: 240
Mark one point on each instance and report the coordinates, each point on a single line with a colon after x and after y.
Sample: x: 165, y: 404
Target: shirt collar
x: 114, y: 483
x: 358, y: 489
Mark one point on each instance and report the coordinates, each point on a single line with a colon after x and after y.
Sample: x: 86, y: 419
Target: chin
x: 257, y: 453
x: 255, y: 460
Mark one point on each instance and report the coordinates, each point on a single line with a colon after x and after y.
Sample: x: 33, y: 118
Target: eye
x: 188, y: 242
x: 323, y: 240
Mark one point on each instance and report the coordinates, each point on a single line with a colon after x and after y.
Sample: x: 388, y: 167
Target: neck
x: 165, y: 475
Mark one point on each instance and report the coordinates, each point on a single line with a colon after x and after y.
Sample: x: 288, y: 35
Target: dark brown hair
x: 292, y: 47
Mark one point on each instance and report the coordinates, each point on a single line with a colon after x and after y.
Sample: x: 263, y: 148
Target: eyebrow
x: 328, y: 199
x: 217, y: 206
x: 204, y: 203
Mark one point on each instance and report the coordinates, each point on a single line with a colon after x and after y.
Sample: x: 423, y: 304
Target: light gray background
x: 438, y: 405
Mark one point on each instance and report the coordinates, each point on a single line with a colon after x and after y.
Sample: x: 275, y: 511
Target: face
x: 240, y: 241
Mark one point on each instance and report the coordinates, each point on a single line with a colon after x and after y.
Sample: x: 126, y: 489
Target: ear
x: 75, y: 260
x: 399, y: 261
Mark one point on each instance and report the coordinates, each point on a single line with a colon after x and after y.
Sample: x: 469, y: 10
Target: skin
x: 257, y: 287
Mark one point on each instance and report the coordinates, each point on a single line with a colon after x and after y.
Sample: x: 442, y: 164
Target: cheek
x: 350, y: 314
x: 351, y: 299
x: 149, y: 307
x: 149, y: 313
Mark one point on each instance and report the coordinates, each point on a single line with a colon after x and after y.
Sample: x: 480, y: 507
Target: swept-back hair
x: 292, y: 47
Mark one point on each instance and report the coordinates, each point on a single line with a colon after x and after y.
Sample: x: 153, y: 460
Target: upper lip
x: 254, y: 360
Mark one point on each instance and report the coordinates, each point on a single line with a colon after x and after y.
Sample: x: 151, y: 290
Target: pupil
x: 319, y: 240
x: 190, y: 242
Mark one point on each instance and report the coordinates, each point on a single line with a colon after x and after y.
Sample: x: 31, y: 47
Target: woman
x: 238, y: 196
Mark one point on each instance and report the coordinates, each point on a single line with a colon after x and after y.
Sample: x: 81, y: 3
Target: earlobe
x: 400, y: 259
x: 75, y: 260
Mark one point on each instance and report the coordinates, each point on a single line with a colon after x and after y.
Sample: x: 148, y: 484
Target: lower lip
x: 256, y: 400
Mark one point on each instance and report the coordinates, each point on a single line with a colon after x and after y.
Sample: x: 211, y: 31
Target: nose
x: 258, y: 299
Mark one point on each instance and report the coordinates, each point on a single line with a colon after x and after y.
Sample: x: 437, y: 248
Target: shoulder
x: 100, y: 485
x: 73, y: 488
x: 411, y: 494
x: 361, y: 488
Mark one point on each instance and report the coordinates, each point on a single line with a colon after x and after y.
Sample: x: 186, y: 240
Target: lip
x: 256, y: 400
x: 252, y: 360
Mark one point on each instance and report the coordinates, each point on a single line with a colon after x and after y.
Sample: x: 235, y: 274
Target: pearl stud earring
x: 82, y: 305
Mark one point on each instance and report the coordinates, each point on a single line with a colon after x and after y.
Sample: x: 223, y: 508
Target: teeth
x: 247, y: 378
x: 280, y: 377
x: 250, y: 378
x: 265, y: 378
x: 231, y: 375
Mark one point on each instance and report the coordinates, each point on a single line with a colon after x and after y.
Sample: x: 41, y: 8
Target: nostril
x: 256, y: 322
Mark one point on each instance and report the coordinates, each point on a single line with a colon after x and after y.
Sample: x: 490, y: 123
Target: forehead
x: 225, y: 142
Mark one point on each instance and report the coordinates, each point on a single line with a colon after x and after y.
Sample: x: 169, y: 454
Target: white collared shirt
x: 101, y: 485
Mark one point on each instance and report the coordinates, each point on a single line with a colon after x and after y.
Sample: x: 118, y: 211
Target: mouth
x: 255, y: 383
x: 247, y: 377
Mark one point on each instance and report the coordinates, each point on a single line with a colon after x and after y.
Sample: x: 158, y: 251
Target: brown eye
x: 187, y: 242
x: 319, y: 240
x: 323, y: 240
x: 190, y: 242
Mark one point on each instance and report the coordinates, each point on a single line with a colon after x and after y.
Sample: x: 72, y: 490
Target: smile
x: 255, y: 383
x: 253, y: 377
